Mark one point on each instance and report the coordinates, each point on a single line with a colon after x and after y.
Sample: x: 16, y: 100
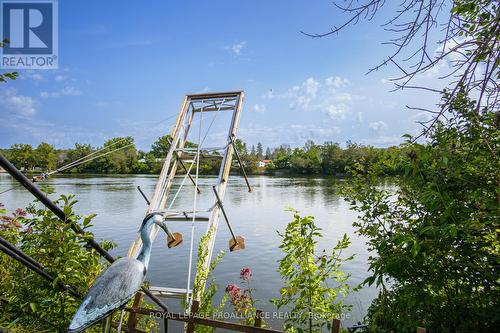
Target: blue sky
x: 124, y: 67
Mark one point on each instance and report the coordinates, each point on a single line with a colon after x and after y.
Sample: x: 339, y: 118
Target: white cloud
x: 66, y: 91
x: 292, y: 134
x: 302, y: 95
x: 32, y: 75
x: 259, y: 108
x: 204, y: 90
x: 421, y: 117
x: 238, y: 47
x: 337, y: 111
x: 383, y: 141
x: 311, y: 86
x: 343, y: 97
x: 70, y: 91
x: 62, y: 135
x: 319, y: 95
x: 301, y: 133
x: 377, y: 126
x: 337, y: 81
x: 359, y: 117
x: 37, y: 77
x: 268, y: 94
x: 60, y: 78
x: 18, y: 104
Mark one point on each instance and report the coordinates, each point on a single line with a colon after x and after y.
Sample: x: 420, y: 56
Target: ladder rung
x: 202, y: 150
x: 216, y: 109
x: 184, y: 216
x: 190, y: 157
x: 170, y: 292
x: 188, y: 218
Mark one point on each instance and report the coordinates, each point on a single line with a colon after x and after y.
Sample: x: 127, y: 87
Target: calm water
x: 256, y: 216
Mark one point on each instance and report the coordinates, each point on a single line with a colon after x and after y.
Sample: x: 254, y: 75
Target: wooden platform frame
x: 213, y: 102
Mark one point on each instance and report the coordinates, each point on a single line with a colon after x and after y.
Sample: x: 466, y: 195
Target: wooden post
x: 420, y: 330
x: 194, y: 310
x: 258, y: 318
x: 106, y: 323
x: 164, y: 174
x: 335, y: 325
x: 225, y: 167
x: 132, y: 317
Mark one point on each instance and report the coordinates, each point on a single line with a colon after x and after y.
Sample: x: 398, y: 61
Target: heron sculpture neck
x: 145, y: 253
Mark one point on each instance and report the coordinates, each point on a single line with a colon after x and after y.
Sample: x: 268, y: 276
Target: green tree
x: 160, y: 147
x: 122, y: 157
x: 77, y: 153
x: 29, y: 302
x: 23, y: 156
x: 306, y: 162
x: 435, y: 237
x: 46, y: 156
x: 306, y: 275
x: 282, y: 157
x: 268, y: 155
x: 241, y: 146
x: 331, y: 159
x: 260, y: 150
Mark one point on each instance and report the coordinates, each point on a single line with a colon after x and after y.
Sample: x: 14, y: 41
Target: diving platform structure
x: 187, y: 158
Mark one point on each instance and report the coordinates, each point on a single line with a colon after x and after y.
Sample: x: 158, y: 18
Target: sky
x: 125, y: 66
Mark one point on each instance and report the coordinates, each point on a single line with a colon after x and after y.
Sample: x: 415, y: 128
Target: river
x: 257, y: 216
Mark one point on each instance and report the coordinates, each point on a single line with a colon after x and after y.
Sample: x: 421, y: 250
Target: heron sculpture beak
x: 173, y: 239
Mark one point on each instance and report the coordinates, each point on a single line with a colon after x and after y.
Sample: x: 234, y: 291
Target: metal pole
x: 18, y: 175
x: 185, y: 169
x: 14, y: 249
x: 14, y: 172
x: 143, y: 195
x: 36, y: 267
x: 241, y: 165
x: 224, y: 213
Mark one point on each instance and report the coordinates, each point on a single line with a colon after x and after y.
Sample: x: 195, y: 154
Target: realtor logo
x: 30, y: 31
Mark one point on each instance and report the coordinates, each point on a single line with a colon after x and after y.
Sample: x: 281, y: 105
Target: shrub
x: 307, y: 276
x: 434, y: 237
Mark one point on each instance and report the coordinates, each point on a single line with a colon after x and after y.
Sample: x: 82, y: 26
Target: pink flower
x: 233, y: 291
x: 246, y: 274
x: 20, y: 212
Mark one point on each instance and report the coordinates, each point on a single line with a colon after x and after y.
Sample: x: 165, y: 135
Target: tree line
x: 120, y: 156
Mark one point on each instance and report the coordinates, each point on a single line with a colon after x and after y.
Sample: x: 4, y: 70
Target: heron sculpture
x: 121, y: 281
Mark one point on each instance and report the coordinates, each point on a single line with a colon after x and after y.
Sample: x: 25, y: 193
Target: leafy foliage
x: 328, y: 158
x: 306, y: 275
x: 29, y: 302
x: 11, y: 75
x: 207, y: 308
x: 434, y: 237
